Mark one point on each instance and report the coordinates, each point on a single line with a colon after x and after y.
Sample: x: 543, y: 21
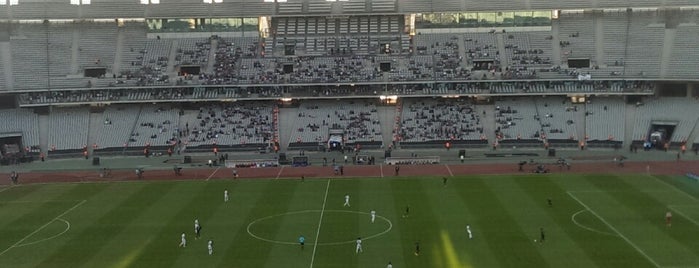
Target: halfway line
x: 42, y: 227
x: 320, y: 221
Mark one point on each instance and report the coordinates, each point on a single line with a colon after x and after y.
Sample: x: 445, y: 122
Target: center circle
x: 281, y: 215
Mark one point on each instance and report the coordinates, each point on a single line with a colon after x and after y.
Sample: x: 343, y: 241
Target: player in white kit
x: 359, y: 245
x: 225, y: 195
x: 196, y: 228
x: 346, y: 204
x: 210, y: 246
x: 373, y: 216
x: 183, y: 243
x: 468, y: 230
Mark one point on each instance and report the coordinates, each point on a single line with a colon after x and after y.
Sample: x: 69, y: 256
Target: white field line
x: 37, y: 202
x: 588, y: 228
x: 615, y: 230
x: 675, y: 189
x: 42, y: 227
x: 49, y: 238
x: 320, y: 221
x: 213, y: 173
x: 279, y: 173
x: 449, y: 169
x: 6, y: 188
x: 674, y: 207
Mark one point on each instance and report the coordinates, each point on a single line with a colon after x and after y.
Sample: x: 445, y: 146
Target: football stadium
x: 349, y: 133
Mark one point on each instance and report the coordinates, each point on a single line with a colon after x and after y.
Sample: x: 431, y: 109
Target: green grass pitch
x: 594, y: 221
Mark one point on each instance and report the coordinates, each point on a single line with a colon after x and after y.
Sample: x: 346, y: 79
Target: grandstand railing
x: 457, y: 88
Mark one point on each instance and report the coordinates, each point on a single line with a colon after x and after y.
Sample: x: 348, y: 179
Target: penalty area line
x: 42, y: 227
x: 615, y: 230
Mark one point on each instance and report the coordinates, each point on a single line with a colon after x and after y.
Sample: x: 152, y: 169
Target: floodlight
x: 10, y: 2
x: 80, y: 2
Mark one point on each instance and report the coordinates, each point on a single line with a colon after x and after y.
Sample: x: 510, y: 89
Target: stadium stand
x: 439, y: 121
x: 116, y: 127
x: 557, y: 119
x: 29, y: 57
x: 684, y: 54
x: 229, y: 125
x: 155, y: 127
x: 22, y: 121
x: 666, y: 111
x: 68, y: 128
x: 603, y: 118
x: 516, y: 120
x: 357, y: 120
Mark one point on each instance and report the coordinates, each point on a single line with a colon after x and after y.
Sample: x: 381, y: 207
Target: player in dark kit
x: 417, y: 248
x: 543, y: 236
x: 14, y: 177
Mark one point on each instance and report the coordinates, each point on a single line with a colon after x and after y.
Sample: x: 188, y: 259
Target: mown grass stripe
x: 511, y: 245
x: 103, y: 229
x: 542, y: 188
x: 421, y: 225
x: 274, y: 198
x: 199, y: 203
x: 680, y: 236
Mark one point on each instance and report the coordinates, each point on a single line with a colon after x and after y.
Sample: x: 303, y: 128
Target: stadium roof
x: 110, y: 9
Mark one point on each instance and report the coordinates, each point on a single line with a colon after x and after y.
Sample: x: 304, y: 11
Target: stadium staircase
x: 580, y: 122
x: 599, y: 41
x: 44, y: 132
x: 288, y: 116
x: 488, y: 121
x: 388, y: 116
x: 119, y: 51
x: 668, y: 44
x: 462, y: 51
x: 133, y: 128
x: 75, y: 52
x: 555, y: 44
x: 6, y: 56
x: 212, y: 56
x: 95, y: 124
x: 629, y: 124
x: 504, y: 60
x: 171, y: 58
